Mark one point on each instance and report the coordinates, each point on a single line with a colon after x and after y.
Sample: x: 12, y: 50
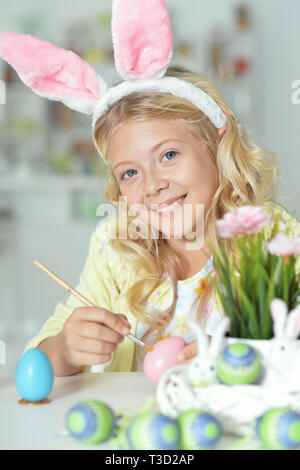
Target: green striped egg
x: 91, y: 421
x: 153, y: 431
x: 238, y: 364
x: 198, y: 430
x: 279, y: 428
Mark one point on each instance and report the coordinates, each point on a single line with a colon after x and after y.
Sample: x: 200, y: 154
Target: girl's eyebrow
x: 156, y: 147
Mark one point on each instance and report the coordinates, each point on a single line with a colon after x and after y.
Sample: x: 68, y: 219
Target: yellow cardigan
x: 105, y: 279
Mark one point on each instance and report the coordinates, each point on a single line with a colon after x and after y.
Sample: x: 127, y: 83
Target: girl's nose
x: 153, y: 184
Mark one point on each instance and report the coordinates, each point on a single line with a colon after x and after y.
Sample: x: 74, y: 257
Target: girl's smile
x: 169, y: 206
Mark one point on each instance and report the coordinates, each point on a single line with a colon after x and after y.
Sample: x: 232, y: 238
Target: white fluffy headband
x: 142, y: 41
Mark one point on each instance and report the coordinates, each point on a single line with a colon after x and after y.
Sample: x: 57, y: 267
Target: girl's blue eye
x: 122, y: 176
x: 168, y: 153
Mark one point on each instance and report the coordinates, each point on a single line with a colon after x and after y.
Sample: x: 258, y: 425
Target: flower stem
x: 286, y: 280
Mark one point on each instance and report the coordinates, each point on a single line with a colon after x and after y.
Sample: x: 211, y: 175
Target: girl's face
x: 157, y: 160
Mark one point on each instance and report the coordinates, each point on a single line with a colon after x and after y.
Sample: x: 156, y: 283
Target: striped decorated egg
x: 198, y: 430
x: 153, y: 431
x: 238, y: 364
x: 90, y: 421
x: 279, y: 428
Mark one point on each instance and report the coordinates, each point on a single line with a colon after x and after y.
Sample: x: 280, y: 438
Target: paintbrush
x: 84, y: 300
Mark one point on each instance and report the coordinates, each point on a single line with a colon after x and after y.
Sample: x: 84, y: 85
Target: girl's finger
x: 185, y: 362
x: 115, y: 321
x: 87, y: 359
x: 188, y: 352
x: 93, y: 346
x: 94, y: 330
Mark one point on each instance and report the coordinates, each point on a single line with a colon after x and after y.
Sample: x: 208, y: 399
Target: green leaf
x: 278, y: 272
x: 265, y: 274
x: 264, y: 311
x: 227, y: 308
x: 253, y: 323
x: 270, y: 293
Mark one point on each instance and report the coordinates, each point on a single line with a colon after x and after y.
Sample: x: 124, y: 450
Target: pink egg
x: 163, y: 357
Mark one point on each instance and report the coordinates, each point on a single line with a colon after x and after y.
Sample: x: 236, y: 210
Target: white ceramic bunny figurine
x: 282, y: 361
x: 176, y: 387
x: 202, y: 370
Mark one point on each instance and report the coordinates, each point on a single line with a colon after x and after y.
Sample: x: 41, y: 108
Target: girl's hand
x: 91, y: 334
x: 188, y: 352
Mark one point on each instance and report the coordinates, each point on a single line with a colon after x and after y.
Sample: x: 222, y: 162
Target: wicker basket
x: 236, y: 406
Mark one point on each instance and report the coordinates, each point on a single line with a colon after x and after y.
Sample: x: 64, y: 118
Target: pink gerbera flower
x: 243, y: 220
x: 282, y: 245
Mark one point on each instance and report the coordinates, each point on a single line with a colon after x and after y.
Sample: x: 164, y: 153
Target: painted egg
x: 121, y: 433
x: 163, y: 357
x: 34, y: 375
x: 198, y: 430
x: 91, y: 421
x: 153, y: 431
x: 279, y: 428
x: 238, y: 364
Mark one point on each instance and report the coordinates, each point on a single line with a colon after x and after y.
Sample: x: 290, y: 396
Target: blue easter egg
x: 238, y: 365
x: 91, y: 421
x: 279, y: 428
x: 198, y: 430
x: 34, y: 375
x: 153, y: 431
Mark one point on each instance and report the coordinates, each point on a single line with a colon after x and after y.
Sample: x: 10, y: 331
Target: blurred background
x: 51, y: 177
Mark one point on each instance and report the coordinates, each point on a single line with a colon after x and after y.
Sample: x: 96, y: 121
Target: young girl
x: 158, y: 147
x: 168, y: 140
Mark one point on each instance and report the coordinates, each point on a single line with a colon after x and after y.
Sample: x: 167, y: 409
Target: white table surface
x: 36, y: 427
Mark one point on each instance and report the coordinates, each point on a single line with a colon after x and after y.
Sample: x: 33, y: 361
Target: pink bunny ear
x: 293, y: 324
x: 52, y: 72
x: 142, y: 38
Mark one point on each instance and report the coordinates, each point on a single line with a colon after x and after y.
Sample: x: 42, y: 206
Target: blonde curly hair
x: 248, y: 174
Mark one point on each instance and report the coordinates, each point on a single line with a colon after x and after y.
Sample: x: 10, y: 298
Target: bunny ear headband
x: 142, y: 40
